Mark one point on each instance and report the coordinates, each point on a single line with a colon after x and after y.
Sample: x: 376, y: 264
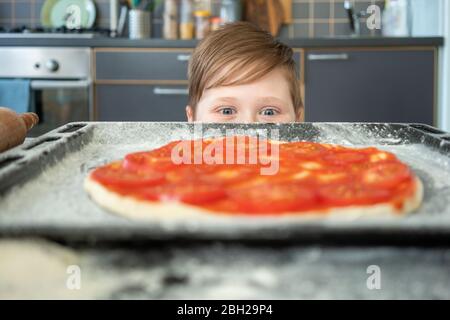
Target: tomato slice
x: 146, y: 161
x: 344, y: 157
x: 191, y: 193
x: 333, y: 176
x: 158, y: 158
x: 166, y: 150
x: 302, y: 149
x: 189, y: 173
x: 163, y: 157
x: 248, y: 150
x: 376, y: 155
x: 244, y: 141
x: 232, y: 175
x: 385, y: 174
x: 223, y: 175
x: 351, y: 194
x: 115, y: 175
x: 279, y: 197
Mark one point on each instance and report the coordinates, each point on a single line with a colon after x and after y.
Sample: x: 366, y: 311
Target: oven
x: 61, y: 88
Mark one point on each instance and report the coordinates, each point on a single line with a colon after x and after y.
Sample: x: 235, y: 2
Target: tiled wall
x: 17, y: 13
x: 311, y: 18
x: 322, y: 18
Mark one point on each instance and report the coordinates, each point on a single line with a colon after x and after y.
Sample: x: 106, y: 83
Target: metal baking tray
x: 41, y: 185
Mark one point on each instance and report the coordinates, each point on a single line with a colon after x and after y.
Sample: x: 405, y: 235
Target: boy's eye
x: 226, y: 111
x: 269, y: 112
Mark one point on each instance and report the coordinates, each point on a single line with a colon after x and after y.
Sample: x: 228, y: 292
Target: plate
x: 72, y: 14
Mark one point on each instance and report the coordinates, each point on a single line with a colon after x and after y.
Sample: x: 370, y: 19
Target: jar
x: 200, y: 5
x: 202, y: 25
x: 139, y: 24
x: 216, y: 22
x: 230, y: 11
x: 170, y: 17
x: 186, y: 20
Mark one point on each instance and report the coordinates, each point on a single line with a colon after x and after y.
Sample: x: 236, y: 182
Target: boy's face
x: 265, y: 100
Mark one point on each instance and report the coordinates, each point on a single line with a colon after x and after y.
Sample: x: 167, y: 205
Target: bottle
x: 170, y: 17
x: 113, y: 17
x: 202, y: 23
x: 216, y: 22
x: 396, y: 19
x: 230, y: 11
x: 186, y: 20
x: 200, y: 5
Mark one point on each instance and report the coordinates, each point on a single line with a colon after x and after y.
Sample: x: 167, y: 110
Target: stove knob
x: 52, y: 65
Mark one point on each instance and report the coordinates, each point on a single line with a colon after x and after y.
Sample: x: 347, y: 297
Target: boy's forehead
x: 237, y: 95
x: 273, y: 82
x: 263, y: 99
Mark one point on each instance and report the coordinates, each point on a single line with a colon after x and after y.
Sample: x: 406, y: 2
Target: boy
x: 240, y: 73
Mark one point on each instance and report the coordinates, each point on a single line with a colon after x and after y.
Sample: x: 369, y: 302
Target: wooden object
x: 14, y: 127
x: 267, y: 14
x: 287, y: 11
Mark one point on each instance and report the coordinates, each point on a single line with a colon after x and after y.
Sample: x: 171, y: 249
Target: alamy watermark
x: 373, y: 282
x: 73, y: 281
x: 373, y: 21
x: 232, y: 146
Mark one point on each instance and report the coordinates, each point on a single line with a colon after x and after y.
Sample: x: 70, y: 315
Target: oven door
x: 58, y: 102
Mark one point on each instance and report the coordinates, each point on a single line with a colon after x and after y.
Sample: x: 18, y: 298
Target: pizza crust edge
x: 133, y: 208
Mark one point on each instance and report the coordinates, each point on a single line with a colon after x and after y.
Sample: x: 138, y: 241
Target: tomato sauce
x: 308, y: 176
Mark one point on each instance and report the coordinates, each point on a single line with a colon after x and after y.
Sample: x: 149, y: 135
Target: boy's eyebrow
x: 226, y: 99
x: 270, y: 99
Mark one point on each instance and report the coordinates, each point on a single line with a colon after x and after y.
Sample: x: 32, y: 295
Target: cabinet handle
x: 170, y: 91
x: 59, y: 84
x: 183, y: 57
x: 327, y: 57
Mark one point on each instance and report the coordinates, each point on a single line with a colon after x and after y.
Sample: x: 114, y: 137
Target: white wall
x: 432, y: 18
x: 426, y: 17
x: 444, y: 68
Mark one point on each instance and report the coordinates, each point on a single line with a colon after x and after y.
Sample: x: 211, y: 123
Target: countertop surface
x: 8, y: 40
x: 222, y: 271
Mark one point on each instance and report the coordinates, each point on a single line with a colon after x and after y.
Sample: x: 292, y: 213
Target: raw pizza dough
x: 133, y: 208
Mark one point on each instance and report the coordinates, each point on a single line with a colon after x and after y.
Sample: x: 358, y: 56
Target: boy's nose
x: 248, y: 117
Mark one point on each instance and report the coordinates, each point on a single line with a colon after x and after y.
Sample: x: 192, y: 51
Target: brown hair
x: 239, y: 53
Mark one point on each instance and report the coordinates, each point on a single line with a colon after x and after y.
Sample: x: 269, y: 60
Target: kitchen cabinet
x: 370, y: 85
x: 349, y: 84
x: 142, y: 64
x: 135, y: 84
x: 141, y: 102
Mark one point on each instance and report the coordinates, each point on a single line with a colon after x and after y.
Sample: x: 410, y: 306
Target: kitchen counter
x: 222, y: 271
x: 162, y: 43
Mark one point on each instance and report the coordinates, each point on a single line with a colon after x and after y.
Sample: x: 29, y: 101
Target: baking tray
x: 41, y: 185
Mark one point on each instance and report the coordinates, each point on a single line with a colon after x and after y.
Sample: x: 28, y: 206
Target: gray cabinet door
x: 141, y: 102
x: 139, y: 64
x: 370, y: 86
